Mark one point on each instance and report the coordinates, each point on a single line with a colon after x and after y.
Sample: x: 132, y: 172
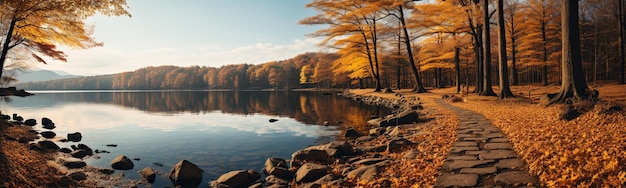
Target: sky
x: 193, y: 32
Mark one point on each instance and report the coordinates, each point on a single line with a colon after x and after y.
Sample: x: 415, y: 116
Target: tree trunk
x: 487, y: 89
x: 621, y: 41
x: 573, y: 83
x: 6, y: 46
x: 505, y: 90
x: 457, y: 67
x: 419, y: 87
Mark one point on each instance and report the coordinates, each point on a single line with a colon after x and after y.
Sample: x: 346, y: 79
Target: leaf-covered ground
x: 434, y: 142
x: 589, y: 151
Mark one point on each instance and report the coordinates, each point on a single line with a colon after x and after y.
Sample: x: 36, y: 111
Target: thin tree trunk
x: 505, y: 90
x: 573, y: 83
x: 457, y: 67
x: 6, y: 46
x: 487, y: 89
x: 419, y: 88
x: 621, y: 41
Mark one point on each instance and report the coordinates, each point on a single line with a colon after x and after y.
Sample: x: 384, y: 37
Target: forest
x: 374, y: 40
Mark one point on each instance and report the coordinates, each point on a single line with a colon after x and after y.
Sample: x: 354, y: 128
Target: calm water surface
x: 219, y: 131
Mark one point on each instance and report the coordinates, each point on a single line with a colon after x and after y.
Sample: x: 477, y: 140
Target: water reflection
x: 306, y: 107
x: 218, y: 131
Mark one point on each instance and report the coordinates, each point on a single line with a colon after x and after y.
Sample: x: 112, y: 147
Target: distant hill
x: 41, y: 75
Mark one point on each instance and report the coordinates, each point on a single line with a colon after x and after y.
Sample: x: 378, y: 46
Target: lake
x: 219, y: 131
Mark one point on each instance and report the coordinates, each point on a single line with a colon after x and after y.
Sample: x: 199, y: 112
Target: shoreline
x: 345, y: 161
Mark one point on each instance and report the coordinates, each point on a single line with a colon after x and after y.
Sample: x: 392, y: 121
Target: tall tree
x: 40, y: 25
x: 620, y: 25
x: 505, y: 90
x: 487, y: 89
x: 347, y: 19
x: 573, y: 84
x: 513, y: 31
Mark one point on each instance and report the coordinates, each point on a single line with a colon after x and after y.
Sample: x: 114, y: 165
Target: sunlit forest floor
x: 587, y: 151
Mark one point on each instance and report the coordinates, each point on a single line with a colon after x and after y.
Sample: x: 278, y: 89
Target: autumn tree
x: 350, y: 22
x: 573, y: 83
x: 513, y: 31
x: 37, y: 26
x: 505, y: 90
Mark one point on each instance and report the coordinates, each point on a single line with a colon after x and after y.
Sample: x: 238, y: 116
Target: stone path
x: 481, y: 156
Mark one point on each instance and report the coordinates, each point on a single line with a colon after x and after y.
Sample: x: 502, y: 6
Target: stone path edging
x: 481, y: 156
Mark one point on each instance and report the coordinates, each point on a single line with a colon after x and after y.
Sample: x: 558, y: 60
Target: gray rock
x: 274, y: 180
x: 351, y: 134
x: 237, y: 178
x: 457, y: 180
x: 185, y: 174
x: 74, y: 137
x: 405, y: 117
x: 364, y: 139
x: 395, y: 131
x: 106, y: 171
x: 378, y: 148
x: 122, y: 163
x: 148, y: 173
x: 48, y: 145
x: 277, y: 167
x: 74, y: 164
x: 30, y: 122
x: 48, y: 134
x: 65, y: 150
x: 311, y: 172
x: 515, y: 178
x: 367, y: 173
x: 46, y: 121
x: 311, y: 155
x: 398, y: 144
x: 80, y: 153
x: 78, y: 176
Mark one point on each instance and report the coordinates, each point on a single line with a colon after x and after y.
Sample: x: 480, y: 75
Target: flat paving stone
x: 465, y: 144
x: 510, y: 164
x: 515, y: 178
x: 457, y: 180
x: 484, y: 170
x: 498, y: 146
x: 497, y: 154
x: 499, y: 140
x: 475, y: 139
x: 475, y: 152
x: 462, y: 149
x: 458, y: 164
x: 494, y: 135
x: 462, y: 157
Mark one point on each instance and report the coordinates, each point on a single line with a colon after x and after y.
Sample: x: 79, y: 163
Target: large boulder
x: 30, y: 122
x: 74, y: 137
x: 48, y: 145
x: 404, y: 117
x: 335, y: 149
x: 185, y: 174
x: 311, y: 155
x: 148, y: 173
x: 311, y: 172
x: 277, y: 167
x: 237, y: 178
x: 122, y: 163
x: 80, y: 153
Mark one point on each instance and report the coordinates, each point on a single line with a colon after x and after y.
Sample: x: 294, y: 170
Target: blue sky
x: 194, y: 32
